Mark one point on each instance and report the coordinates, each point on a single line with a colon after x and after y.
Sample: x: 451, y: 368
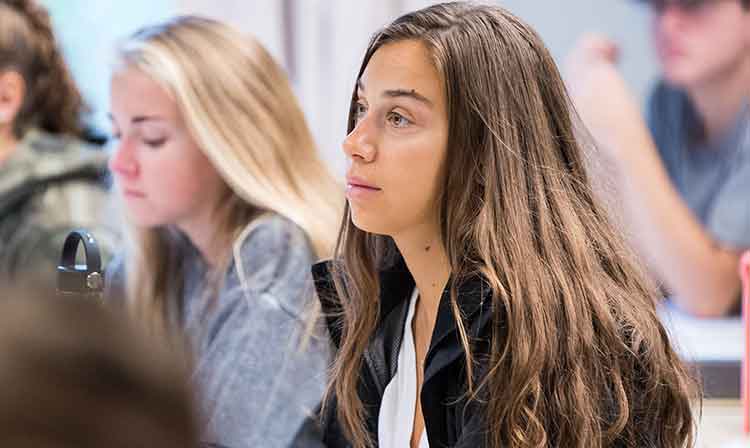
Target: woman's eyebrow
x: 142, y: 118
x: 400, y: 93
x: 407, y: 93
x: 139, y: 118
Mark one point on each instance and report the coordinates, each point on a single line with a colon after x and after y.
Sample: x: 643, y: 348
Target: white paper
x: 700, y: 339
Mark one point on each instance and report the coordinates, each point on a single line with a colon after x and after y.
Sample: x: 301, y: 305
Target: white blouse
x: 396, y: 419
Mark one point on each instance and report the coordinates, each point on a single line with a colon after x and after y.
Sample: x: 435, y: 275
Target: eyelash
x: 398, y: 116
x: 360, y: 110
x: 155, y: 143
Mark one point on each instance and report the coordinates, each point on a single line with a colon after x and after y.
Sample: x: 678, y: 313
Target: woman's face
x: 165, y: 179
x: 397, y: 149
x: 12, y: 93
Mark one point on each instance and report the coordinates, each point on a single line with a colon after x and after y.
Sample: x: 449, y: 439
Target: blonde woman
x: 229, y: 205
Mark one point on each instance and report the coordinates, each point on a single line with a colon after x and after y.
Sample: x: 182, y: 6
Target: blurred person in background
x: 228, y: 206
x: 75, y: 374
x: 682, y: 173
x: 50, y: 180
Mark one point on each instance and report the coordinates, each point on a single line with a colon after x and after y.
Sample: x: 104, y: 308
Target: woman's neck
x: 428, y: 263
x: 720, y: 102
x: 201, y: 230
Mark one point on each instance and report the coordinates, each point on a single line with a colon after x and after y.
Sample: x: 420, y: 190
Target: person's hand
x: 603, y: 100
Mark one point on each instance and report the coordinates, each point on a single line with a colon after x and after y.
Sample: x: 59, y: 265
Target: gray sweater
x: 258, y: 387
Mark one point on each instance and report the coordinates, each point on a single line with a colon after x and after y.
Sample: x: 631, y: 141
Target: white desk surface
x: 721, y: 425
x: 703, y: 339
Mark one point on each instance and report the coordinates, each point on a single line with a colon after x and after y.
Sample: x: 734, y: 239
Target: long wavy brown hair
x: 51, y: 101
x: 578, y: 356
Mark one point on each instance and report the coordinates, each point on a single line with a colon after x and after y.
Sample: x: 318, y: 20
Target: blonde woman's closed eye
x: 154, y: 143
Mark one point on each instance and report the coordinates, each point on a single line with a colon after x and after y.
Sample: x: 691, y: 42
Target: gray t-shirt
x: 712, y: 177
x: 259, y: 387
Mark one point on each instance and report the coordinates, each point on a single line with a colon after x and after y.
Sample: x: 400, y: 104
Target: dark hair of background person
x: 75, y: 373
x: 52, y: 102
x: 578, y: 357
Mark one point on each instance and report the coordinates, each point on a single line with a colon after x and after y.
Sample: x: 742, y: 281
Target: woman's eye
x: 398, y: 120
x: 359, y: 111
x: 154, y: 143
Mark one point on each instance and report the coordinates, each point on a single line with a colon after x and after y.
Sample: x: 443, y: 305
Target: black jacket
x: 450, y: 419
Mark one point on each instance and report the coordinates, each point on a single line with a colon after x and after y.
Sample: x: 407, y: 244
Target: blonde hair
x: 242, y: 113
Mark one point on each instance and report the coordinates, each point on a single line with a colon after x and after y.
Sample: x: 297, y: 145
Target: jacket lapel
x: 475, y: 305
x: 396, y: 285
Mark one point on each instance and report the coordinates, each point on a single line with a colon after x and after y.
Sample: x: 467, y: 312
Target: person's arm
x: 700, y: 272
x: 258, y: 386
x: 262, y: 374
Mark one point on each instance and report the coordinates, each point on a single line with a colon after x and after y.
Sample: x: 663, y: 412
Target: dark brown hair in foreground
x: 77, y: 374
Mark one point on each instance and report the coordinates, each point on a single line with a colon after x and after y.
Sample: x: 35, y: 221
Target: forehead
x: 403, y: 65
x: 135, y: 92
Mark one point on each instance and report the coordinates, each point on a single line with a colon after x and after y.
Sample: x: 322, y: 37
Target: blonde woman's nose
x: 122, y: 161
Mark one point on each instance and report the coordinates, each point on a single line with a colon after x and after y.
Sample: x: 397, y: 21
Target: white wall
x: 322, y: 41
x: 329, y: 38
x: 262, y: 18
x: 560, y: 23
x: 88, y: 31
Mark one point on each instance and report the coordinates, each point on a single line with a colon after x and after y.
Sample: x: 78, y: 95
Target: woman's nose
x: 122, y: 162
x: 360, y: 143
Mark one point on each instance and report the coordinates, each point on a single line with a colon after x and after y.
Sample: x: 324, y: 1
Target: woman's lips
x: 360, y: 189
x: 132, y: 193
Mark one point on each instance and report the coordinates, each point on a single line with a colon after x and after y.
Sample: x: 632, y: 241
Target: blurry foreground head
x: 77, y: 374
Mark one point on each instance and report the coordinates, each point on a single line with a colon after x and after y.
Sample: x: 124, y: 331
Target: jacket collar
x: 396, y: 285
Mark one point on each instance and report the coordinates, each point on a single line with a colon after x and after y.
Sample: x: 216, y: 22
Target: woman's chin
x: 370, y: 224
x: 144, y: 220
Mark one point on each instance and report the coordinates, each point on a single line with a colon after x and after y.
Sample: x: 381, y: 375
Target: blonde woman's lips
x: 133, y: 193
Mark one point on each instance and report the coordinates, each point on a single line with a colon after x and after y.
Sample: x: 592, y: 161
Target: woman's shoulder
x: 65, y: 177
x: 53, y: 154
x: 269, y: 236
x: 44, y: 162
x: 271, y: 258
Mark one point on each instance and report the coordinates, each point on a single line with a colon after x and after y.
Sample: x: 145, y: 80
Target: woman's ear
x: 12, y: 91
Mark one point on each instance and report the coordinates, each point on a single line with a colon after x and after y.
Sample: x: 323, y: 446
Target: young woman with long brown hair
x: 479, y: 295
